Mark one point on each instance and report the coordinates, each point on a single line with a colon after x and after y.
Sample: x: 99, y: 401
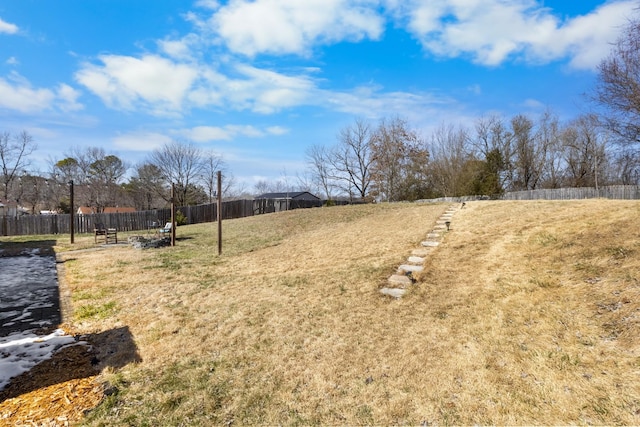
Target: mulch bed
x: 56, y: 392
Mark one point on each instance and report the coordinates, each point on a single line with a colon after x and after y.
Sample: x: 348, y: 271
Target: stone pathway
x: 403, y: 278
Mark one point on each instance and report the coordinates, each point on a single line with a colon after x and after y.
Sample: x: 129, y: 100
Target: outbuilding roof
x: 293, y: 195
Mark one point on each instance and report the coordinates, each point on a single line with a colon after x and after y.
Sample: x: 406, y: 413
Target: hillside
x: 527, y: 313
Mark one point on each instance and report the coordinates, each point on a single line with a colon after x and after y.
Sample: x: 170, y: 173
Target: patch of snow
x: 22, y: 351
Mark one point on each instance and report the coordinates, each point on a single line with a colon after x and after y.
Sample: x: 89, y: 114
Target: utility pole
x: 219, y: 213
x: 173, y: 214
x: 71, y: 213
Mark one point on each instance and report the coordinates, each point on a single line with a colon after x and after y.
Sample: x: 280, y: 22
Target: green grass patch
x: 95, y: 311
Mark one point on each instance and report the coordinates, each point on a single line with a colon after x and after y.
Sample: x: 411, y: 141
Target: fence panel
x: 619, y: 192
x: 143, y: 220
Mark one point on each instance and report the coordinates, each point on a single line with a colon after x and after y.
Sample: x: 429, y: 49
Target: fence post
x: 219, y: 213
x: 71, y: 217
x: 173, y: 215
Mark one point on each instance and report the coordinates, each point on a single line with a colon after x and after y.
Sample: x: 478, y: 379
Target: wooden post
x: 173, y: 214
x: 219, y: 213
x: 71, y: 213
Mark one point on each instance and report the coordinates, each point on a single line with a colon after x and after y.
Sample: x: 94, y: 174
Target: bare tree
x: 147, y: 187
x: 262, y: 186
x: 351, y: 159
x: 213, y: 162
x: 550, y: 150
x: 627, y: 166
x: 493, y: 143
x: 618, y: 87
x: 318, y: 160
x: 180, y: 163
x: 400, y: 159
x: 14, y: 153
x: 531, y: 147
x: 449, y: 154
x: 585, y: 152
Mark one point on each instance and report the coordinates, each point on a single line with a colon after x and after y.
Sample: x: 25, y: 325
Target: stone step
x: 393, y: 292
x: 415, y: 260
x: 410, y: 268
x: 430, y: 244
x: 422, y: 252
x: 434, y: 236
x: 399, y: 280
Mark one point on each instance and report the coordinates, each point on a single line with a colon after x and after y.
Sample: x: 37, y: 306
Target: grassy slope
x: 526, y: 314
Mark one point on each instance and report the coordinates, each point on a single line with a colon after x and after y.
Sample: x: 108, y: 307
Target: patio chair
x: 108, y: 233
x: 166, y: 229
x: 99, y: 230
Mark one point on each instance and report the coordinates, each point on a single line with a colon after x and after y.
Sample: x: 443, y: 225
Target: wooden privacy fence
x: 623, y: 192
x: 144, y: 220
x: 619, y: 192
x: 155, y: 219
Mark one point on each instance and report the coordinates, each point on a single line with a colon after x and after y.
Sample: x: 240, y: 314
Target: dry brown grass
x: 526, y: 314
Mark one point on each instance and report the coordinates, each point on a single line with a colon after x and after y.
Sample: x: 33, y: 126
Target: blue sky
x: 260, y: 81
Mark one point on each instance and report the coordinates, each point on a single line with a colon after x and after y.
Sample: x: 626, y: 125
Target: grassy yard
x: 527, y: 313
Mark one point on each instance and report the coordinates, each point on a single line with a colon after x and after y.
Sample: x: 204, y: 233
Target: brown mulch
x: 56, y: 392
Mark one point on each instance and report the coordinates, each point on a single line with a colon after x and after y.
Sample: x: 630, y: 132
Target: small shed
x: 276, y: 202
x: 292, y: 195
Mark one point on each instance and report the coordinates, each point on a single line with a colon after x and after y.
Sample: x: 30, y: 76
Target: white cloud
x: 228, y: 132
x: 161, y: 86
x: 277, y: 130
x: 589, y: 37
x: 493, y: 31
x: 12, y: 61
x: 207, y: 133
x: 265, y: 91
x: 372, y: 102
x: 293, y: 26
x: 208, y: 4
x: 7, y: 28
x: 69, y: 98
x: 16, y: 93
x: 175, y: 48
x: 140, y: 141
x: 125, y: 82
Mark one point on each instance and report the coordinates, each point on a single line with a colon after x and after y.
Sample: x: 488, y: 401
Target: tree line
x: 100, y: 179
x: 391, y: 162
x: 388, y: 160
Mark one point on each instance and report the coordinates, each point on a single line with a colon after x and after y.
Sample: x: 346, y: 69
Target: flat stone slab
x: 439, y: 227
x: 415, y: 260
x: 433, y: 236
x: 400, y: 280
x: 430, y: 244
x: 422, y: 252
x: 410, y: 268
x: 393, y: 292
